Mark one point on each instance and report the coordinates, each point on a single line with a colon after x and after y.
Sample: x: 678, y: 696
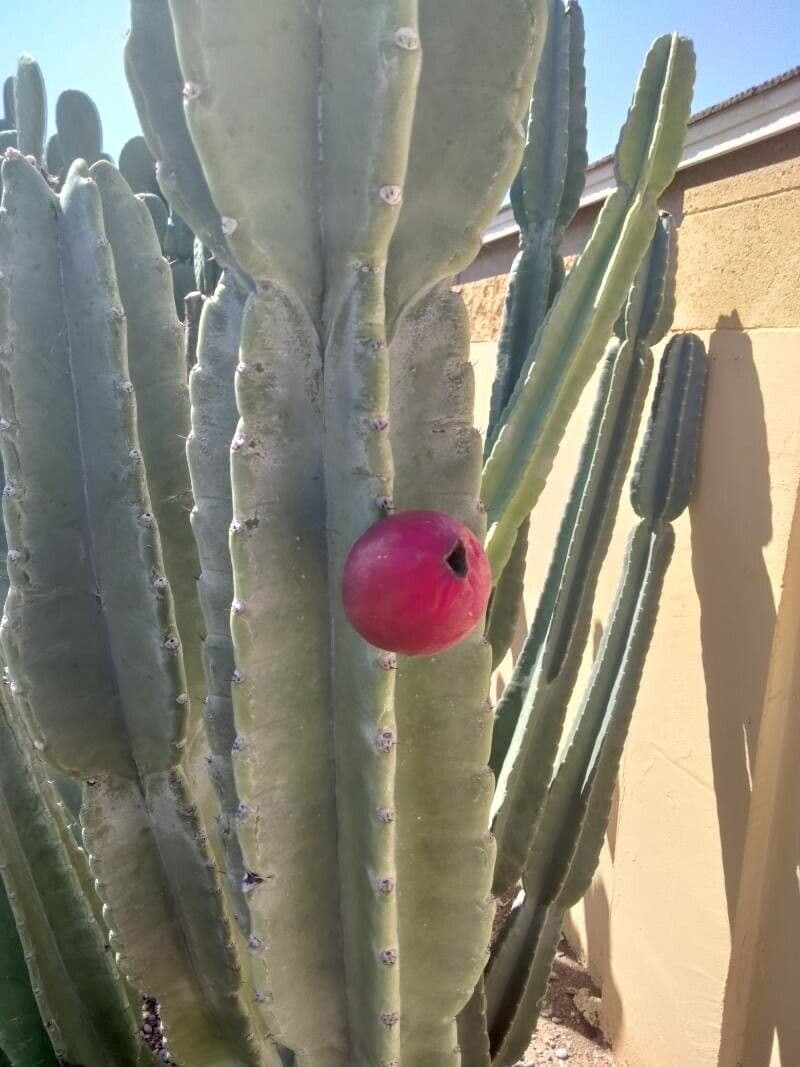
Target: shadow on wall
x: 731, y: 519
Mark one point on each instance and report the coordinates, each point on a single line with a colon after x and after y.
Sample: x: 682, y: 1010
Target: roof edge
x: 756, y: 114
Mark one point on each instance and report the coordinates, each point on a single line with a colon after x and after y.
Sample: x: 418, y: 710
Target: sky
x: 739, y: 43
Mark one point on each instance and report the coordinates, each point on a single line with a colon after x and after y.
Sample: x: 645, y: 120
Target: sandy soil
x: 568, y: 1026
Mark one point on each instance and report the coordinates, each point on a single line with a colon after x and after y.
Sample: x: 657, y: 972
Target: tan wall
x: 658, y: 923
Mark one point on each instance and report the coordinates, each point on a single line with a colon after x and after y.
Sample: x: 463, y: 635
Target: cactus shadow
x: 760, y: 1022
x: 731, y: 520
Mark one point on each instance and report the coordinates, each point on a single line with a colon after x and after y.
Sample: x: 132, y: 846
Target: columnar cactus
x: 294, y: 837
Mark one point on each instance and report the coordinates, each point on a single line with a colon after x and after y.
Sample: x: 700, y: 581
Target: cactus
x: 9, y: 119
x: 574, y: 811
x: 288, y: 829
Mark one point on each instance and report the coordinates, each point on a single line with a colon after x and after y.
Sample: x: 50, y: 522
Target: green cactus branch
x: 136, y: 720
x: 80, y: 995
x: 545, y: 194
x: 531, y: 713
x: 571, y: 339
x: 24, y: 1042
x: 443, y: 790
x: 574, y: 812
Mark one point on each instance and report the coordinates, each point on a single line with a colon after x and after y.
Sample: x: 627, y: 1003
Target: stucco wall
x: 658, y: 923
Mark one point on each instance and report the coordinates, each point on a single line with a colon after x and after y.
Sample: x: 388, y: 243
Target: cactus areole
x: 416, y: 583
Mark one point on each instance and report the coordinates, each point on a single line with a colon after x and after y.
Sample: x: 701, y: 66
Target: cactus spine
x: 289, y: 830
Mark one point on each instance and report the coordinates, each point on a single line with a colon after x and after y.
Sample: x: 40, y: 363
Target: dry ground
x: 567, y: 1031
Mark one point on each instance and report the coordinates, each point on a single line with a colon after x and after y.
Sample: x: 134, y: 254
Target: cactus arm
x: 443, y: 788
x: 30, y: 240
x: 517, y: 979
x: 30, y: 108
x: 664, y: 476
x: 23, y: 1038
x: 158, y: 213
x: 9, y: 105
x: 601, y: 723
x: 577, y: 806
x: 156, y: 82
x: 549, y: 185
x: 378, y: 79
x: 238, y: 52
x: 54, y: 158
x: 650, y: 306
x: 80, y: 994
x: 473, y: 1035
x: 214, y: 417
x: 137, y: 167
x: 507, y: 598
x: 570, y: 832
x: 545, y: 196
x: 455, y: 184
x: 80, y: 132
x: 158, y: 372
x: 539, y: 693
x: 283, y: 752
x: 116, y: 711
x: 571, y: 339
x: 531, y: 711
x: 146, y: 851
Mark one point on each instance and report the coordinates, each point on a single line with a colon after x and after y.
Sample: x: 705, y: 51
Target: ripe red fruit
x: 416, y: 582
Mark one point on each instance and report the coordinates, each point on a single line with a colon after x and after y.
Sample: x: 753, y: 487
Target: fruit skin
x: 416, y: 582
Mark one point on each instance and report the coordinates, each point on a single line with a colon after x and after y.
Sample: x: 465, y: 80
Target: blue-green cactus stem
x: 544, y: 197
x: 545, y: 194
x: 569, y: 837
x: 664, y: 475
x: 9, y: 119
x: 54, y: 157
x: 473, y: 1034
x: 531, y: 712
x: 158, y: 213
x: 507, y: 597
x: 80, y: 131
x: 30, y: 108
x: 158, y: 372
x: 443, y: 787
x: 575, y: 811
x: 156, y: 82
x: 81, y: 996
x: 337, y: 271
x: 103, y: 674
x: 572, y: 338
x: 23, y: 1038
x: 455, y: 184
x: 517, y: 979
x: 282, y: 753
x: 138, y: 168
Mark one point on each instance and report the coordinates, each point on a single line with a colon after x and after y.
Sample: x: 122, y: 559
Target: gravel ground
x: 568, y: 1026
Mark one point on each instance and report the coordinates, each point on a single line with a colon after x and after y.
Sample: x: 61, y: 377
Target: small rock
x: 562, y: 1053
x: 589, y: 1007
